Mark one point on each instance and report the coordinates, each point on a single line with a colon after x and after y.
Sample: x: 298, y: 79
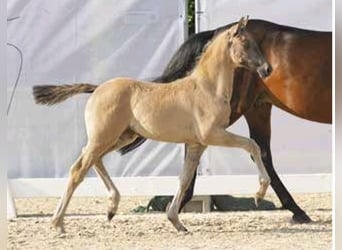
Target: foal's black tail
x: 52, y: 94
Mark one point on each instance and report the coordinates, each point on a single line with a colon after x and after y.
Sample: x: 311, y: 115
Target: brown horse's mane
x: 272, y: 26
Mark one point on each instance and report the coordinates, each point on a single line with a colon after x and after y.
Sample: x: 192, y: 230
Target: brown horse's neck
x: 215, y: 69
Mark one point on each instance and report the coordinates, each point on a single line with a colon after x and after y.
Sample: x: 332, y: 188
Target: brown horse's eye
x: 247, y: 45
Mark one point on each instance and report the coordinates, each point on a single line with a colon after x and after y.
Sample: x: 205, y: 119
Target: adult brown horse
x: 301, y: 84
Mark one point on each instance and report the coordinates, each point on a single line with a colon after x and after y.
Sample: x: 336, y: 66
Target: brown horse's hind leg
x: 114, y: 196
x: 259, y: 123
x: 193, y: 155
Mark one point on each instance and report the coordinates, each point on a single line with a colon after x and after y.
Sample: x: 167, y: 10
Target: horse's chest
x: 223, y: 111
x: 216, y: 109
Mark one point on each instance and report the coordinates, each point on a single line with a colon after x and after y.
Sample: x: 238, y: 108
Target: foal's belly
x: 169, y: 123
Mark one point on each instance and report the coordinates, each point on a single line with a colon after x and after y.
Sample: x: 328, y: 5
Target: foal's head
x: 244, y: 52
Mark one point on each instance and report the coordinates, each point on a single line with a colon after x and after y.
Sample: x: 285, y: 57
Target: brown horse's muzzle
x: 264, y: 70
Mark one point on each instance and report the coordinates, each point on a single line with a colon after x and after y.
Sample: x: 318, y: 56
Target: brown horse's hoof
x: 110, y: 216
x: 301, y: 218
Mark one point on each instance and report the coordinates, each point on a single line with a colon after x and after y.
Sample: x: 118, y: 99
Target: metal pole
x: 11, y: 210
x: 198, y: 12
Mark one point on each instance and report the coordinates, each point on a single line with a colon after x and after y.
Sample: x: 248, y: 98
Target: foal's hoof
x: 110, y: 216
x: 58, y: 226
x: 183, y: 229
x: 59, y: 229
x: 301, y: 218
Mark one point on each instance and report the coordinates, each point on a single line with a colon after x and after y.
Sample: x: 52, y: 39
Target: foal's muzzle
x: 264, y: 70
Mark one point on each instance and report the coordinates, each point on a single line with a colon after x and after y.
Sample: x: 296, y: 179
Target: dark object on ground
x: 231, y: 203
x: 139, y: 209
x: 218, y: 203
x: 158, y: 203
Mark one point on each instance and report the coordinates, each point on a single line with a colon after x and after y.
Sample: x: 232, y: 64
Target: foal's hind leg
x: 220, y: 137
x: 114, y: 195
x: 77, y: 174
x: 193, y: 155
x: 90, y: 155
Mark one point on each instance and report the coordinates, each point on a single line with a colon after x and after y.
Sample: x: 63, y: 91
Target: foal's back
x: 154, y: 110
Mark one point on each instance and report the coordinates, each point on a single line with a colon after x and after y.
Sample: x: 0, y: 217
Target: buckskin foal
x: 193, y: 110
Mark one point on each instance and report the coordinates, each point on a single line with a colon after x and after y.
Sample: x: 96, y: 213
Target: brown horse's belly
x: 301, y: 81
x: 307, y: 100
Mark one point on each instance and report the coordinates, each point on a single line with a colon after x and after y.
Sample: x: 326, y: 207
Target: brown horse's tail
x: 52, y: 94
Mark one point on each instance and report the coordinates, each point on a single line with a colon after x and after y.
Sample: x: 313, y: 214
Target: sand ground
x: 87, y: 227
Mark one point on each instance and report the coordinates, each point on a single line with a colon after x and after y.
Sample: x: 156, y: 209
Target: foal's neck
x: 215, y: 70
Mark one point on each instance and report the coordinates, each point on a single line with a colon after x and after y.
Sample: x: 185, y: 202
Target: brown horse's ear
x: 241, y: 25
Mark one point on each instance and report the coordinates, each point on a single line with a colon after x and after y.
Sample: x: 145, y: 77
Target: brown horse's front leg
x: 259, y: 123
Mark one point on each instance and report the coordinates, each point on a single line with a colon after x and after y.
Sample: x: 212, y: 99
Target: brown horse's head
x: 244, y: 51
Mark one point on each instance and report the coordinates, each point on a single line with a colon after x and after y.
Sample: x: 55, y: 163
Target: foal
x: 193, y: 110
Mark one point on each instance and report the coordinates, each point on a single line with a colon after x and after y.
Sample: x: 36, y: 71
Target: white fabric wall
x: 68, y: 41
x: 298, y: 145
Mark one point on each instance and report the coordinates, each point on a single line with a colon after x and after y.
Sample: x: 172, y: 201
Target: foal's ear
x: 244, y: 21
x: 241, y: 25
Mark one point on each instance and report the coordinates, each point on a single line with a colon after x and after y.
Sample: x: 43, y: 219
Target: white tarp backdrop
x: 298, y: 145
x: 69, y: 41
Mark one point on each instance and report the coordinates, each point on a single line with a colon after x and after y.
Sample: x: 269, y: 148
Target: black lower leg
x: 259, y: 123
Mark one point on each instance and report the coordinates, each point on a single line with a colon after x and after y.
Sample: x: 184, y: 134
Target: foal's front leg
x: 221, y: 137
x: 194, y: 152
